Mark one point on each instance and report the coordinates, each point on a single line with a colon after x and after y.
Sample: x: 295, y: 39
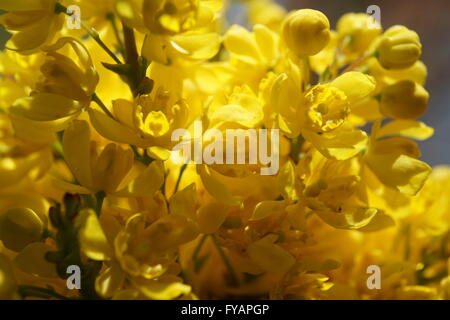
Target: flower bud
x: 20, y: 227
x: 306, y: 32
x: 404, y: 100
x: 399, y: 48
x: 362, y: 29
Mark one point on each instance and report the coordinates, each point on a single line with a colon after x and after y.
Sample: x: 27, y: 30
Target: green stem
x: 100, y: 197
x: 296, y: 148
x: 306, y: 73
x: 100, y: 103
x: 94, y: 35
x: 180, y: 175
x: 59, y: 8
x: 232, y: 273
x: 110, y: 17
x: 131, y: 57
x: 357, y: 63
x: 144, y: 158
x: 195, y: 255
x: 199, y: 247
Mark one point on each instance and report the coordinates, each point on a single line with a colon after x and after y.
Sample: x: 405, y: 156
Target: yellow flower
x: 138, y: 252
x: 306, y: 32
x: 19, y: 74
x: 20, y: 227
x: 178, y: 16
x: 23, y: 152
x: 148, y: 122
x: 399, y: 48
x: 33, y: 23
x: 178, y: 30
x: 266, y: 12
x: 335, y: 191
x: 358, y: 31
x: 300, y: 215
x: 394, y: 161
x: 321, y: 115
x: 105, y: 171
x: 65, y: 90
x: 258, y: 51
x: 404, y: 100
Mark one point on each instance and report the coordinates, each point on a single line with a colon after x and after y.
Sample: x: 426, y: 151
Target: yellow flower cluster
x: 88, y: 176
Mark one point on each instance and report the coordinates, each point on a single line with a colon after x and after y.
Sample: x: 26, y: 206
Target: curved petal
x: 77, y: 153
x: 112, y: 129
x: 355, y: 85
x: 45, y: 107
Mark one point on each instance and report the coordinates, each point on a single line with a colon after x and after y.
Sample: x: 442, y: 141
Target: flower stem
x: 180, y: 175
x: 232, y: 273
x: 110, y: 17
x: 94, y: 35
x: 131, y: 57
x: 100, y: 103
x: 100, y: 197
x: 306, y: 73
x: 357, y: 63
x: 59, y: 8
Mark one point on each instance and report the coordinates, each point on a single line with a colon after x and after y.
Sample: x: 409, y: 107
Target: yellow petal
x: 351, y: 218
x: 355, y: 85
x: 32, y: 260
x: 396, y: 145
x: 20, y: 227
x: 93, y: 242
x: 398, y: 171
x: 266, y: 209
x: 217, y: 189
x: 286, y: 181
x: 268, y: 43
x: 241, y: 43
x: 155, y: 49
x: 340, y: 144
x: 146, y: 184
x: 158, y: 153
x: 211, y: 216
x: 109, y: 281
x: 197, y: 46
x: 69, y: 187
x: 161, y: 290
x: 184, y: 201
x: 379, y: 222
x: 76, y: 144
x: 407, y: 128
x: 45, y: 107
x: 269, y: 256
x: 112, y: 129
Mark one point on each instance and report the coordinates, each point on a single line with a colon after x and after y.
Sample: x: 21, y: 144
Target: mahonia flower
x: 142, y: 191
x: 33, y: 23
x: 104, y: 171
x: 64, y: 90
x: 148, y: 122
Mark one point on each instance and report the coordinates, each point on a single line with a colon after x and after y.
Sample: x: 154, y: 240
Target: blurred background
x: 431, y: 20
